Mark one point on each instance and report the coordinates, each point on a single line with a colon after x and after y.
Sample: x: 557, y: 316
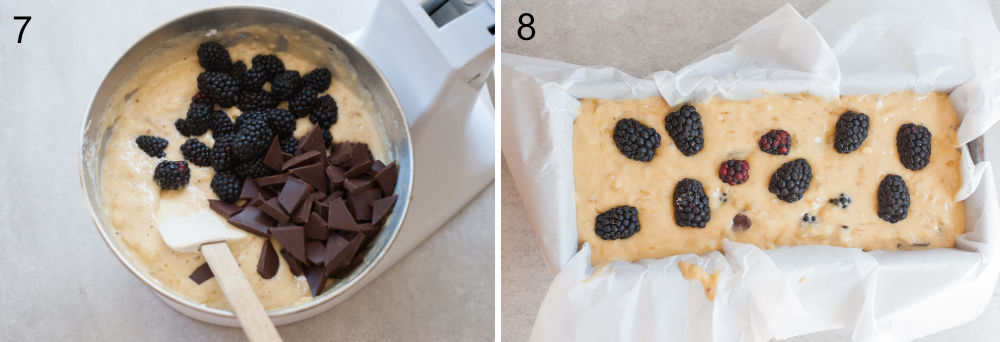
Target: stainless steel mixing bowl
x: 97, y: 128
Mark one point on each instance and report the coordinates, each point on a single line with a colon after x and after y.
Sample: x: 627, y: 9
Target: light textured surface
x: 61, y: 283
x: 638, y: 38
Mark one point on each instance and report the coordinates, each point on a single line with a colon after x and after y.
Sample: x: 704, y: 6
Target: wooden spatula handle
x: 249, y: 312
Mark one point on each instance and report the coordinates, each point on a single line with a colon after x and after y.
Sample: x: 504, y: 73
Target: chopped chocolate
x: 336, y: 252
x: 273, y: 158
x: 252, y: 220
x: 257, y: 201
x: 381, y: 208
x: 316, y: 228
x: 314, y: 252
x: 335, y: 175
x: 302, y: 214
x: 316, y: 276
x: 361, y: 154
x: 322, y: 208
x: 201, y: 274
x: 341, y: 154
x: 269, y: 181
x: 386, y: 178
x: 293, y: 194
x: 250, y: 190
x: 302, y: 159
x: 377, y: 166
x: 358, y: 169
x: 340, y: 217
x: 273, y: 209
x: 293, y: 265
x: 369, y: 231
x: 312, y: 174
x: 358, y: 184
x: 267, y: 264
x: 313, y: 141
x: 293, y: 238
x: 227, y: 210
x: 361, y: 203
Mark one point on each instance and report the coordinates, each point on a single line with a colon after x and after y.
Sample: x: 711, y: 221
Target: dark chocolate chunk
x: 313, y: 141
x: 314, y: 252
x: 312, y: 174
x: 201, y: 274
x: 335, y: 174
x: 301, y: 215
x: 293, y: 238
x: 273, y: 158
x: 257, y: 201
x: 316, y: 228
x: 382, y: 207
x: 273, y: 209
x: 377, y: 166
x: 293, y: 265
x: 358, y: 184
x: 740, y: 223
x: 316, y: 276
x: 341, y: 154
x: 361, y: 154
x: 302, y: 159
x: 250, y: 190
x: 361, y: 203
x: 227, y: 210
x: 269, y: 181
x: 322, y: 208
x: 386, y: 178
x: 252, y: 220
x: 336, y: 252
x: 267, y: 264
x: 293, y: 194
x: 340, y: 217
x: 359, y: 169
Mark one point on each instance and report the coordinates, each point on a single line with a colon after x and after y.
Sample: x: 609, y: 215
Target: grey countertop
x: 638, y: 37
x: 61, y: 283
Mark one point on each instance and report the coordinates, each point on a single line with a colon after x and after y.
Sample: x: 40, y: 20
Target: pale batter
x: 148, y: 102
x: 605, y: 178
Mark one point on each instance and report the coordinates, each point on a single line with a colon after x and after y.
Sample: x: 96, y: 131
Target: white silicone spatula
x: 187, y: 225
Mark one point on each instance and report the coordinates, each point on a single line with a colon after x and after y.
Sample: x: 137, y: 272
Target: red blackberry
x: 256, y: 99
x: 617, y: 223
x: 325, y: 112
x: 222, y: 156
x: 776, y: 141
x: 734, y: 172
x: 227, y: 186
x: 851, y: 131
x: 791, y: 180
x: 286, y: 84
x: 691, y: 204
x: 172, y: 175
x: 318, y: 79
x: 635, y: 140
x: 152, y: 145
x: 684, y: 127
x: 213, y: 57
x: 196, y: 152
x: 282, y: 122
x: 303, y: 102
x: 893, y: 199
x: 289, y: 145
x: 268, y: 65
x: 913, y: 142
x: 220, y: 87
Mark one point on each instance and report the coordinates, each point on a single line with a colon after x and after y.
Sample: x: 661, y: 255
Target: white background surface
x: 639, y: 38
x: 59, y: 282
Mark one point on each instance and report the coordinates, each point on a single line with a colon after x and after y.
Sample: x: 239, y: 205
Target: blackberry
x: 913, y: 142
x: 327, y: 138
x: 200, y: 115
x: 152, y: 145
x: 734, y: 172
x: 303, y: 102
x: 200, y: 98
x: 253, y: 168
x: 318, y: 79
x: 691, y: 204
x: 777, y: 141
x: 617, y: 223
x: 251, y: 139
x: 635, y: 140
x: 222, y: 156
x: 220, y: 87
x: 253, y: 79
x: 172, y: 175
x: 227, y: 186
x: 282, y: 122
x: 268, y: 65
x: 851, y: 131
x: 252, y: 116
x: 289, y: 145
x: 190, y: 129
x: 237, y: 69
x: 791, y: 180
x: 196, y: 152
x: 213, y: 57
x: 684, y: 127
x: 325, y: 113
x: 841, y: 201
x: 286, y: 84
x: 256, y: 99
x: 220, y: 124
x: 893, y: 199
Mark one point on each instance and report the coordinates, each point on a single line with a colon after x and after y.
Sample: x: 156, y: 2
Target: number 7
x: 19, y: 34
